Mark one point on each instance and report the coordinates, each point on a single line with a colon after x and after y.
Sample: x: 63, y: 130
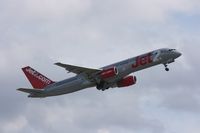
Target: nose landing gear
x: 166, y: 68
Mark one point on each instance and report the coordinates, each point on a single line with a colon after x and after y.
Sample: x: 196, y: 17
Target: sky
x: 95, y: 33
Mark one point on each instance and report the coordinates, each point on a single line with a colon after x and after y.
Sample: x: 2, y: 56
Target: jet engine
x: 127, y: 81
x: 108, y: 73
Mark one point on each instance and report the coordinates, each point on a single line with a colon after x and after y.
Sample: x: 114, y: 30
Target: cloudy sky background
x: 95, y: 33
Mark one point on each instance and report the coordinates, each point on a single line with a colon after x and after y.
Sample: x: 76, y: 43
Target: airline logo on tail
x: 37, y: 80
x: 38, y: 76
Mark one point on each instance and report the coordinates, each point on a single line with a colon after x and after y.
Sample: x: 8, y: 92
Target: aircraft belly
x: 146, y: 66
x: 70, y: 87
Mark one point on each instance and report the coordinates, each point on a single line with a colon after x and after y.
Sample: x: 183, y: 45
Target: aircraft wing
x: 27, y: 90
x: 78, y: 69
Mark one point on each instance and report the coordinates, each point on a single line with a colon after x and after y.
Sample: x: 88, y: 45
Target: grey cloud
x: 94, y: 34
x: 85, y: 113
x: 182, y: 99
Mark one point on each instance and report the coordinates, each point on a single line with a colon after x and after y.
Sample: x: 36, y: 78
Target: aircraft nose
x: 178, y: 54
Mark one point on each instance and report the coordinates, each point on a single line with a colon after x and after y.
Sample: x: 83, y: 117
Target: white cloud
x: 57, y: 8
x: 153, y: 11
x: 96, y: 33
x: 44, y: 9
x: 103, y: 131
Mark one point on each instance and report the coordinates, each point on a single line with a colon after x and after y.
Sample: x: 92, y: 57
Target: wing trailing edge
x: 77, y: 69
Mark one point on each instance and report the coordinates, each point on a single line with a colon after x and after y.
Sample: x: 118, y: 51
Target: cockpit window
x: 171, y: 50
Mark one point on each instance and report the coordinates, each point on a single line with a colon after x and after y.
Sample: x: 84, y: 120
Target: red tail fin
x: 37, y: 80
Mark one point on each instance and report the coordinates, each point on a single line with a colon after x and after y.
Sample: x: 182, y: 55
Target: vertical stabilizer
x: 37, y: 80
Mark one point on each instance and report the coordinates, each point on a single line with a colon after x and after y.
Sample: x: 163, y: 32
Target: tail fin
x: 37, y: 80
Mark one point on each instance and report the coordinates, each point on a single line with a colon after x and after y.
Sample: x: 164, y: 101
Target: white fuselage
x: 125, y: 67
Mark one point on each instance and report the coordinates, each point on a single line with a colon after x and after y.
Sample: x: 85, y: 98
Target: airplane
x: 114, y: 75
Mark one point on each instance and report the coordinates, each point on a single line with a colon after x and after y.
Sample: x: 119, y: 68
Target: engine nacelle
x: 109, y: 73
x: 127, y: 81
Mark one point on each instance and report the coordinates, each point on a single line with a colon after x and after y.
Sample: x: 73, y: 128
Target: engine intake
x: 109, y: 73
x: 127, y: 81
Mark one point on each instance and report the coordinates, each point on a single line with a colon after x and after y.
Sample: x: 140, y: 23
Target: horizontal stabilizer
x: 31, y: 91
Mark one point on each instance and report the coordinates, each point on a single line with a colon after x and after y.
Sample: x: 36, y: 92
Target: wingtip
x: 57, y: 63
x: 19, y: 89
